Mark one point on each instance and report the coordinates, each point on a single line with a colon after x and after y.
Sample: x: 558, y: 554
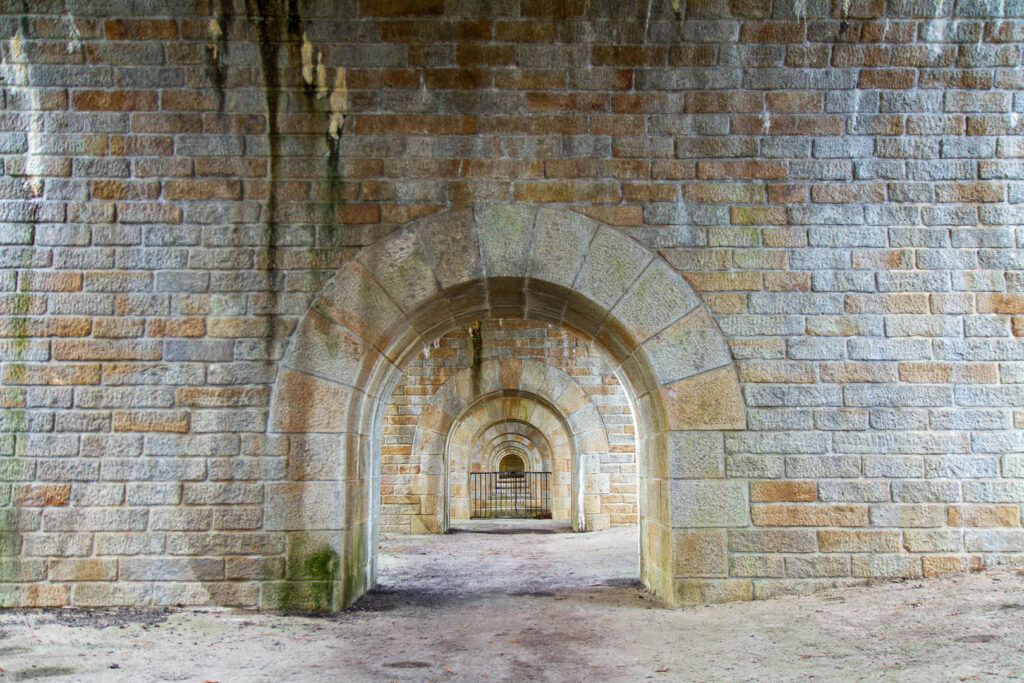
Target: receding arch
x: 453, y: 268
x: 539, y: 423
x: 552, y: 391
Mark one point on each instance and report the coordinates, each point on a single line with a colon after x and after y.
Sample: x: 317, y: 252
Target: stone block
x: 82, y: 569
x: 756, y: 566
x: 171, y: 569
x: 858, y: 541
x: 809, y: 515
x: 937, y: 565
x: 994, y: 540
x: 782, y: 491
x: 451, y: 247
x: 306, y: 404
x: 884, y: 566
x: 687, y: 347
x: 704, y: 591
x: 505, y: 233
x: 357, y: 303
x: 700, y: 553
x: 708, y: 401
x: 932, y: 540
x: 398, y: 264
x: 695, y: 455
x: 983, y: 515
x: 709, y: 503
x: 302, y: 506
x: 612, y: 263
x: 659, y: 297
x: 814, y: 566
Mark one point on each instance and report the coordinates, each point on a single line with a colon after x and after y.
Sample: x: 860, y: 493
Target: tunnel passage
x: 463, y: 420
x: 444, y: 272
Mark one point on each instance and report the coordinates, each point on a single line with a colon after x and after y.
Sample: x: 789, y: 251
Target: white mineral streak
x: 214, y: 32
x: 16, y: 74
x: 339, y: 104
x: 306, y: 55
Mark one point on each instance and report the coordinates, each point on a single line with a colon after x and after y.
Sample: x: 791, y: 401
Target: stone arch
x: 538, y: 422
x: 550, y: 388
x: 535, y: 422
x: 499, y: 261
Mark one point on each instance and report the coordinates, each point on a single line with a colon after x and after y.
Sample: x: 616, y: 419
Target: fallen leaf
x: 449, y: 669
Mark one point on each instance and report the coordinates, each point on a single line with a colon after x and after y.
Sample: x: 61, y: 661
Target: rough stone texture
x: 204, y: 270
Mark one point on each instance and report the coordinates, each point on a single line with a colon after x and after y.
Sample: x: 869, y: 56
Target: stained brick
x: 782, y: 491
x: 114, y: 100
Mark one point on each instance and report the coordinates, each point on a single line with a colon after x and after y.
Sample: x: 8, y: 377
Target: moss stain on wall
x: 311, y: 579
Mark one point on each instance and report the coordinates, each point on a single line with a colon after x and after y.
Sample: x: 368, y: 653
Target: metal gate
x: 522, y: 495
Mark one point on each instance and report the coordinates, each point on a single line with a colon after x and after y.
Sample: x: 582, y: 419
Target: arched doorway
x: 511, y: 463
x: 448, y: 270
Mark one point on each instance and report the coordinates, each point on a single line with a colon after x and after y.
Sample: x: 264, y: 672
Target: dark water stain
x: 408, y: 665
x: 217, y: 48
x: 41, y: 672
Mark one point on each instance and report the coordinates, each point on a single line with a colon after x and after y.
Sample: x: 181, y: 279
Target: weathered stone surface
x: 197, y: 306
x: 709, y: 503
x: 710, y: 400
x: 307, y: 404
x: 687, y: 347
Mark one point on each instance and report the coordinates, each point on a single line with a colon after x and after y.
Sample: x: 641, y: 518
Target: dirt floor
x: 541, y: 606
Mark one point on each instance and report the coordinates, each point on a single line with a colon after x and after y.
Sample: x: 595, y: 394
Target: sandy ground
x: 541, y: 606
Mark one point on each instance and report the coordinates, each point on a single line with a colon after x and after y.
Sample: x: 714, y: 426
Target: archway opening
x: 532, y: 433
x: 511, y: 463
x: 446, y: 272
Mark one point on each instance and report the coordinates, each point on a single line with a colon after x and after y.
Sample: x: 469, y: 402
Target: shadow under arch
x: 498, y: 261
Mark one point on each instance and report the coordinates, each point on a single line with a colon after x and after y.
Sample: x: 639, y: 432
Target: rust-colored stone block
x: 983, y: 515
x: 898, y: 79
x: 1000, y: 303
x: 810, y: 515
x: 773, y: 32
x: 41, y: 495
x: 140, y: 29
x: 114, y: 100
x: 783, y: 491
x: 794, y: 102
x: 937, y: 565
x: 614, y: 215
x: 628, y: 55
x: 485, y: 55
x: 175, y: 327
x: 400, y: 8
x: 176, y: 421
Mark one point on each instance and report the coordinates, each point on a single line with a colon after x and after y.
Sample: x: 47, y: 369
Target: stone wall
x: 841, y: 184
